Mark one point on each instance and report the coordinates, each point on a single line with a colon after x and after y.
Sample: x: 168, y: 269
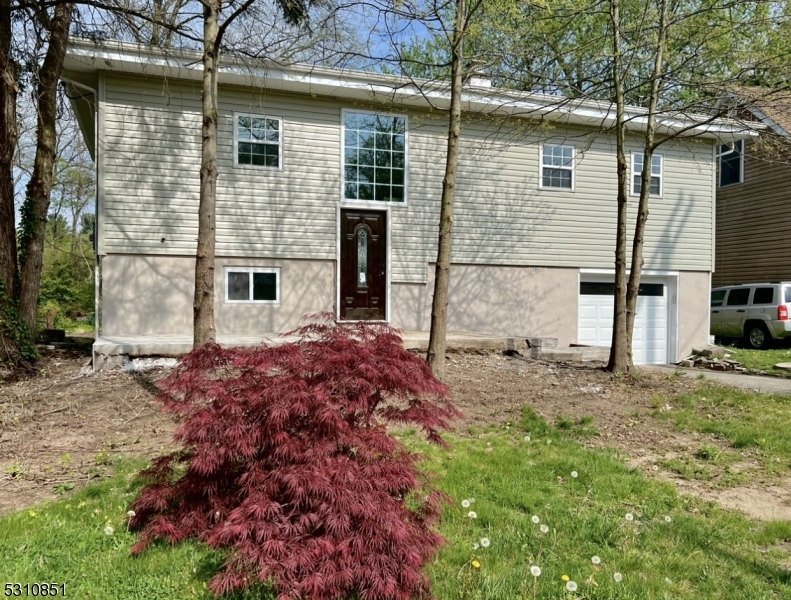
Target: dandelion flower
x: 465, y: 504
x: 109, y: 530
x: 571, y: 586
x: 618, y: 577
x: 535, y: 519
x: 667, y: 519
x: 629, y: 517
x: 130, y: 514
x: 485, y: 542
x: 472, y: 514
x: 535, y: 570
x: 476, y: 564
x: 565, y: 578
x: 544, y: 528
x: 527, y: 438
x: 574, y: 474
x: 475, y: 546
x: 655, y: 468
x: 472, y: 500
x: 549, y: 442
x: 595, y: 560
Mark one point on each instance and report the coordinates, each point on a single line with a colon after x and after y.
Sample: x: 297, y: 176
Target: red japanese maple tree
x: 287, y: 463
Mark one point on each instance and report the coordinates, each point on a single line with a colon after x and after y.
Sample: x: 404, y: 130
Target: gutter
x: 122, y: 57
x: 96, y: 262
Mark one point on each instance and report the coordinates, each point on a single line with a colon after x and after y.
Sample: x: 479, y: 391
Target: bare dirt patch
x: 65, y: 426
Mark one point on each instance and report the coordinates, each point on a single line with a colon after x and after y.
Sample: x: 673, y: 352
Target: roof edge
x: 123, y: 57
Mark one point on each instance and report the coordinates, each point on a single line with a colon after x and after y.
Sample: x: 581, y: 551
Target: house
x: 328, y: 200
x: 754, y: 194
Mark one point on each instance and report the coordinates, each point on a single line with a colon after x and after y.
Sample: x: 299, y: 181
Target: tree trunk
x: 203, y: 306
x: 8, y: 140
x: 36, y: 205
x: 439, y: 306
x: 633, y: 287
x: 620, y: 350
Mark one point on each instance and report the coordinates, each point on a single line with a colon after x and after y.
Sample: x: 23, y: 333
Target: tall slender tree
x: 214, y: 28
x: 8, y: 141
x: 439, y: 304
x: 37, y: 198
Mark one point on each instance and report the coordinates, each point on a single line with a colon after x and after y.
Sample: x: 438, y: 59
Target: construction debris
x: 714, y: 358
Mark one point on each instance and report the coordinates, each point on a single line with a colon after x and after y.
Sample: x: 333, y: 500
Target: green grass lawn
x: 753, y: 425
x: 763, y: 360
x: 661, y: 544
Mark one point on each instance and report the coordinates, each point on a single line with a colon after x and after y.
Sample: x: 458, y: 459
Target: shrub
x: 287, y: 463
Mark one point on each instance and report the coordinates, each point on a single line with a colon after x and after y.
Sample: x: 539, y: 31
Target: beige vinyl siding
x: 152, y: 158
x: 753, y: 222
x: 152, y: 174
x: 501, y: 217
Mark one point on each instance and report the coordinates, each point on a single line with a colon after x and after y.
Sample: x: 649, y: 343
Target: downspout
x: 95, y: 93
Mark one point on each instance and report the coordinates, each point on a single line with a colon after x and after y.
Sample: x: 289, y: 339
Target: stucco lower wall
x: 512, y: 301
x: 694, y: 291
x: 153, y: 295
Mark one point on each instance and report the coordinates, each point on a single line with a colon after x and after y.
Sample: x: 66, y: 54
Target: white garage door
x: 649, y: 344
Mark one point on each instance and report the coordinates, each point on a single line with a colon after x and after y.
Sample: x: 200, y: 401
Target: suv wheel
x: 757, y: 336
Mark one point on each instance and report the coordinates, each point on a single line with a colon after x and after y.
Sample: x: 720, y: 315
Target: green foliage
x: 67, y: 280
x: 15, y: 345
x: 565, y: 48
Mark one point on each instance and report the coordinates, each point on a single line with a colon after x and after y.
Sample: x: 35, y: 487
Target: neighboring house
x: 754, y: 194
x: 328, y: 200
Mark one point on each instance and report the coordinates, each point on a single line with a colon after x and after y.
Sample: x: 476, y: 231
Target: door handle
x: 715, y: 311
x: 740, y: 310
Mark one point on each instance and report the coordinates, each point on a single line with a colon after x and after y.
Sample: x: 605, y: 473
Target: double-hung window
x: 257, y: 141
x: 374, y: 157
x: 731, y: 159
x: 657, y: 175
x: 557, y: 167
x: 252, y: 284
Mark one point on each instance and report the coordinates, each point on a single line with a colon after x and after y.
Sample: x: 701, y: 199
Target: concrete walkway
x: 756, y: 383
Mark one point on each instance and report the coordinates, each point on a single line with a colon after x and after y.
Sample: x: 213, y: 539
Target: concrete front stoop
x: 547, y: 349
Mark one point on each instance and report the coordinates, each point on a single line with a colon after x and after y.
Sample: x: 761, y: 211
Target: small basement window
x: 252, y: 285
x: 257, y: 141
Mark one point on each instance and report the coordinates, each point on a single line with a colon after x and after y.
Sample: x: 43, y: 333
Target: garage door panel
x: 649, y: 339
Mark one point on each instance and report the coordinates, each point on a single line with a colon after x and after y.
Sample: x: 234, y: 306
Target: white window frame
x: 372, y: 203
x: 661, y: 175
x: 251, y: 270
x: 741, y: 164
x: 573, y: 168
x: 236, y: 140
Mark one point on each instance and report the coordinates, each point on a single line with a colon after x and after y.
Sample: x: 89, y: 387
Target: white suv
x: 757, y: 312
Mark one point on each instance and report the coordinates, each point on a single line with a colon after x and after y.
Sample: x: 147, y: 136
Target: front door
x: 363, y: 265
